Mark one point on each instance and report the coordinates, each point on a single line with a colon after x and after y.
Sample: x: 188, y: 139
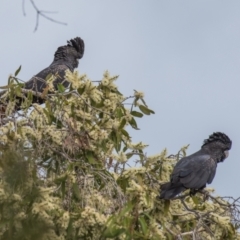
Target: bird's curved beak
x: 226, y: 152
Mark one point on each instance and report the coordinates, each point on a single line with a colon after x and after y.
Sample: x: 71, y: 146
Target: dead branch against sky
x: 40, y: 13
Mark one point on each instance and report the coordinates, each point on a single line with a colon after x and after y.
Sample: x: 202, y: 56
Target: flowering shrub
x: 64, y: 171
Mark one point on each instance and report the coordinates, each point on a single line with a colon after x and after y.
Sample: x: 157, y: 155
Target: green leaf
x: 59, y: 124
x: 97, y: 105
x: 133, y: 123
x: 47, y: 114
x: 195, y: 200
x: 9, y: 79
x: 118, y: 146
x: 143, y: 102
x: 146, y: 110
x: 63, y: 188
x: 60, y: 179
x: 49, y: 76
x: 76, y: 191
x: 90, y: 157
x: 61, y: 88
x: 101, y: 115
x: 17, y: 71
x: 166, y: 206
x: 129, y: 155
x: 70, y: 229
x: 113, y: 232
x: 136, y: 114
x: 113, y: 137
x: 81, y: 90
x: 122, y: 124
x: 128, y: 208
x: 30, y: 96
x: 48, y: 106
x: 125, y: 149
x: 107, y: 91
x: 125, y: 133
x: 18, y: 92
x: 116, y: 138
x: 123, y: 183
x: 135, y: 101
x: 119, y: 113
x: 143, y: 224
x: 116, y: 91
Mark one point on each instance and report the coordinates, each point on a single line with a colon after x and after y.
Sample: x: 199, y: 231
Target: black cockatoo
x: 65, y: 58
x: 195, y: 171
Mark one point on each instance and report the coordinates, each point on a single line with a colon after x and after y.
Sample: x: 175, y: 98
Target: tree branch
x: 40, y: 13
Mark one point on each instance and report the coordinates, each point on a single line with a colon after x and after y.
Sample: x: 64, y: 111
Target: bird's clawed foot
x: 193, y: 192
x: 200, y: 190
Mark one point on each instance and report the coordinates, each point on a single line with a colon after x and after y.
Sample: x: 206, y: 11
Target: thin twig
x: 41, y: 13
x: 23, y: 7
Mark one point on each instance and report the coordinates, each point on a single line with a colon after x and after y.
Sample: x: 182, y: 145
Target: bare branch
x: 41, y: 13
x: 23, y: 8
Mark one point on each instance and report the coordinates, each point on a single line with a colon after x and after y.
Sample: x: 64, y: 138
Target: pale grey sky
x: 185, y: 56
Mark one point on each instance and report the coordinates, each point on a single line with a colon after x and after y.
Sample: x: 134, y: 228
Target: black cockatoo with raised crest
x: 195, y: 171
x: 65, y: 58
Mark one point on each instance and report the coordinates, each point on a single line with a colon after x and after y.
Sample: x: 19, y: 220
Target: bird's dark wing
x: 213, y: 172
x: 38, y: 82
x: 194, y: 171
x: 169, y: 190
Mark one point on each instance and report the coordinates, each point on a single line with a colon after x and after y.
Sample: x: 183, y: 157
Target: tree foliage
x: 66, y: 171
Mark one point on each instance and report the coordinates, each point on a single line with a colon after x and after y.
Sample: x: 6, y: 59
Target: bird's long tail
x: 169, y: 190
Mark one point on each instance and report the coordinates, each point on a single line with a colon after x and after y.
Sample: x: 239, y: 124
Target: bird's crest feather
x: 219, y: 136
x: 76, y: 44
